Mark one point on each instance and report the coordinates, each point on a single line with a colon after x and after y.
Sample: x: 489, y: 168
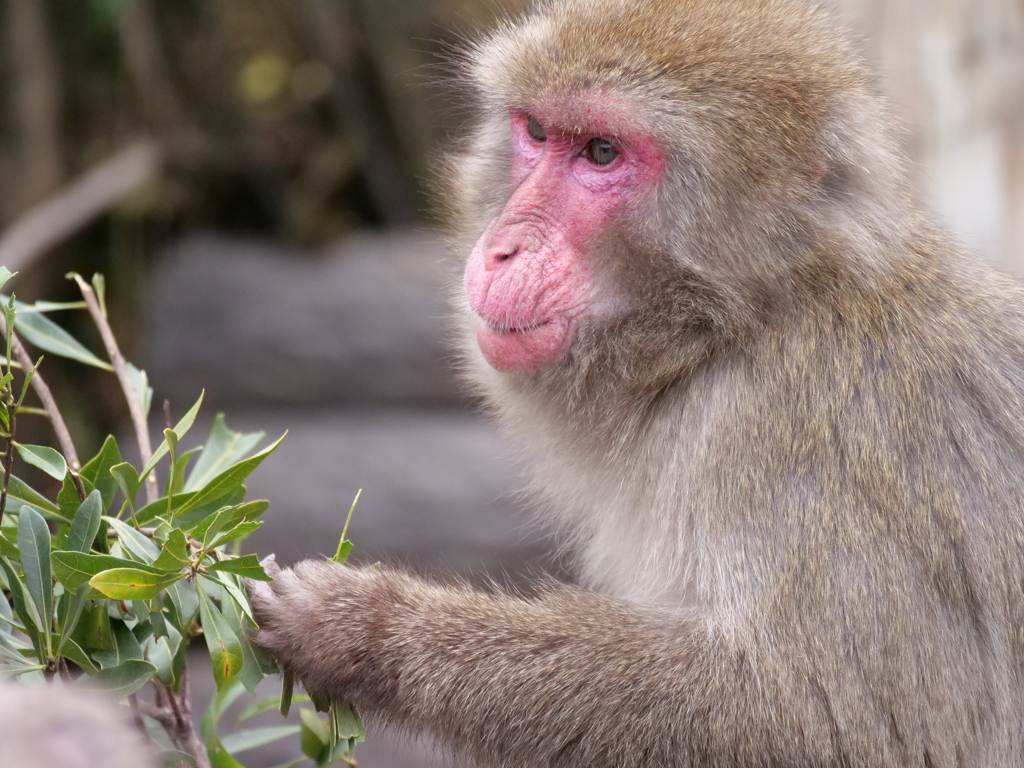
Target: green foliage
x: 106, y: 591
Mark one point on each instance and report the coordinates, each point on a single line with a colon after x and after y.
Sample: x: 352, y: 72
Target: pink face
x: 529, y: 278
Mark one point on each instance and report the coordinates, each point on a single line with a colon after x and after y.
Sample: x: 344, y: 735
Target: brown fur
x: 795, y: 471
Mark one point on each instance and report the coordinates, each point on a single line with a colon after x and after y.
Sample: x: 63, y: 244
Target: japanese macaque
x: 778, y: 412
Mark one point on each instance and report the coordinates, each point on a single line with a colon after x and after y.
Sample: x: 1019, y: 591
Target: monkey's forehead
x: 780, y: 54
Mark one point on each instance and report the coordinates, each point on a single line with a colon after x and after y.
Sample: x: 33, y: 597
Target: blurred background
x: 252, y: 176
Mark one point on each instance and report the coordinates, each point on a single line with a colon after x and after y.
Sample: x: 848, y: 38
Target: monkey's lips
x: 522, y: 349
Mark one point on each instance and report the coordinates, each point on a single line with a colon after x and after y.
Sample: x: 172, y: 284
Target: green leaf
x: 180, y: 430
x: 126, y: 647
x: 199, y: 518
x: 46, y: 459
x: 176, y: 480
x: 251, y: 672
x: 72, y: 608
x: 51, y: 306
x: 73, y: 651
x: 37, y: 329
x: 225, y: 648
x: 246, y: 565
x: 6, y: 615
x: 344, y: 545
x: 7, y: 547
x: 99, y: 286
x: 97, y: 471
x: 68, y: 499
x: 34, y: 543
x: 185, y: 599
x: 175, y: 554
x: 240, y: 741
x: 222, y: 699
x: 347, y: 722
x: 344, y: 550
x: 163, y: 508
x: 5, y: 275
x: 223, y: 448
x: 136, y: 543
x: 10, y: 318
x: 23, y: 606
x: 216, y: 525
x: 74, y: 569
x: 94, y: 631
x: 229, y: 479
x: 287, y: 692
x: 240, y: 531
x: 120, y: 681
x: 258, y: 707
x: 132, y: 583
x: 86, y: 523
x: 162, y: 652
x: 228, y: 584
x: 315, y: 738
x: 140, y: 383
x: 19, y: 491
x: 127, y: 479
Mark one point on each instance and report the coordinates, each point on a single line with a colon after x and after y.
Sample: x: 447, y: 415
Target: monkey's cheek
x: 514, y: 351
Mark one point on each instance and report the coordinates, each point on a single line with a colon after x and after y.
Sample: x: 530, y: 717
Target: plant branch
x: 184, y: 731
x: 163, y: 716
x: 60, y: 428
x: 8, y: 458
x: 42, y: 390
x: 121, y: 369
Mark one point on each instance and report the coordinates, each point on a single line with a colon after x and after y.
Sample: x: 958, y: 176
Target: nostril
x: 503, y: 256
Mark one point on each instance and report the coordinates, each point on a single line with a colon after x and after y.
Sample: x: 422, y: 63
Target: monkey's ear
x: 818, y: 170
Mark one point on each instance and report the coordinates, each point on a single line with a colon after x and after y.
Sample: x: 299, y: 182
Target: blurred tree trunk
x: 955, y: 69
x: 144, y: 56
x: 35, y: 104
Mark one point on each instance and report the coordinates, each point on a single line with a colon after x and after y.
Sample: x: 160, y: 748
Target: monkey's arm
x: 565, y: 679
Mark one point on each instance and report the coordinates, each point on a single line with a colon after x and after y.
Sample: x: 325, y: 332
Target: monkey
x: 776, y: 411
x: 55, y: 726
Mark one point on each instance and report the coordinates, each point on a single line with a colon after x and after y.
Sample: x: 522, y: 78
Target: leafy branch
x: 103, y: 590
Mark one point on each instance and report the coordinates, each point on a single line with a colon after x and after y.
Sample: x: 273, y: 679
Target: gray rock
x: 362, y: 321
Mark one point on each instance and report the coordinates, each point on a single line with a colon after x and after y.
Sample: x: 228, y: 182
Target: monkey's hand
x: 331, y: 625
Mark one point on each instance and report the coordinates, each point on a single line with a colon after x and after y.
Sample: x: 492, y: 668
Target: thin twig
x: 163, y: 716
x: 185, y: 731
x: 133, y: 704
x: 70, y: 209
x: 8, y: 459
x: 42, y: 390
x: 121, y: 369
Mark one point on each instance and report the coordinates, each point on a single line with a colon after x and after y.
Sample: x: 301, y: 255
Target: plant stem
x: 121, y: 369
x: 42, y: 390
x: 182, y: 727
x: 8, y: 458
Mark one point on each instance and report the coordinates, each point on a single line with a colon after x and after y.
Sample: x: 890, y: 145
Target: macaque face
x: 531, y: 278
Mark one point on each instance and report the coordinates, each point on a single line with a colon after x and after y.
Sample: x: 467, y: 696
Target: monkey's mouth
x: 522, y: 347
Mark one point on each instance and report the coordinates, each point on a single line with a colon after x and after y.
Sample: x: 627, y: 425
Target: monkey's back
x: 896, y: 422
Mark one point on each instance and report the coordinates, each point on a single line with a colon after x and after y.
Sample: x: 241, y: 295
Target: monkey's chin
x: 522, y: 351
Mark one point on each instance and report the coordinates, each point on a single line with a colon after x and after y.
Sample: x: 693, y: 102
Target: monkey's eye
x: 536, y: 130
x: 600, y: 151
